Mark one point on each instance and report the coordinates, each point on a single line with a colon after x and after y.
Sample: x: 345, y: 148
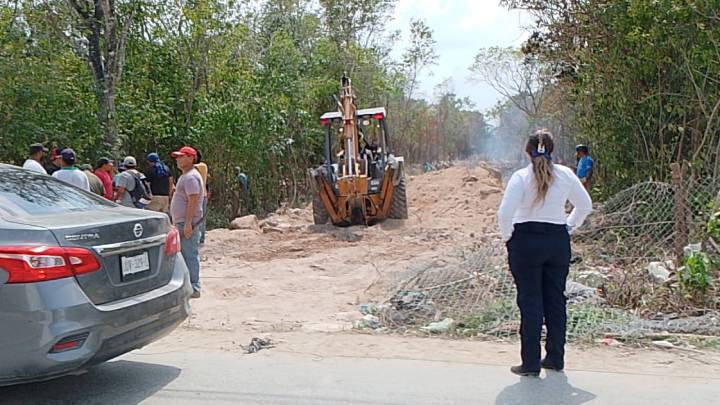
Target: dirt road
x: 290, y: 275
x: 301, y: 284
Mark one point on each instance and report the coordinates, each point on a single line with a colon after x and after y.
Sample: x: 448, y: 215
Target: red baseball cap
x: 185, y: 151
x: 55, y: 153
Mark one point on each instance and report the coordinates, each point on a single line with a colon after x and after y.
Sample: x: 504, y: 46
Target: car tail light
x: 69, y: 343
x: 28, y: 264
x: 172, y: 242
x: 379, y: 116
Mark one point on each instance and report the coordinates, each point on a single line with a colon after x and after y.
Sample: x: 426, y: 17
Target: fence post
x: 681, y: 229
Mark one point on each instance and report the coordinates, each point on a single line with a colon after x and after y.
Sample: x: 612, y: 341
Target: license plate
x: 134, y: 264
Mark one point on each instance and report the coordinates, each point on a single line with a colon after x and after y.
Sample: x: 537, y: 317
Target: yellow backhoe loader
x: 360, y: 181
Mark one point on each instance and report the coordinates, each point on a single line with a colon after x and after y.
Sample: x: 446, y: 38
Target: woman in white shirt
x: 536, y: 229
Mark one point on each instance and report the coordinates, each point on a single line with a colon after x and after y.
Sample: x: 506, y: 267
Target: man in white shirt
x: 69, y: 173
x: 37, y: 152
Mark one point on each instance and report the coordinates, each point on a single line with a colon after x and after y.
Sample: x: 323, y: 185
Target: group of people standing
x: 154, y: 189
x: 105, y: 179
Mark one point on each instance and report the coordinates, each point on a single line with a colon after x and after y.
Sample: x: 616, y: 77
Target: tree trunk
x: 106, y: 64
x: 112, y: 136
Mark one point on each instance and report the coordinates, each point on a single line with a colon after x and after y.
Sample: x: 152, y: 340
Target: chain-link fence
x: 474, y: 289
x: 477, y: 293
x: 651, y: 221
x: 635, y: 244
x: 624, y: 278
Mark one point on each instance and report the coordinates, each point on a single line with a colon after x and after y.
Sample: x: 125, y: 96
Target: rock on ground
x: 592, y: 278
x: 659, y: 272
x: 246, y: 222
x: 578, y: 293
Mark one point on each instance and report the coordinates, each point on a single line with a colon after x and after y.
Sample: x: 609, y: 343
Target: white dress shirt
x: 519, y: 202
x: 33, y: 165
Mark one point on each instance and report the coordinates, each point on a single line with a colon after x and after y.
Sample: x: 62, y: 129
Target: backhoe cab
x: 360, y: 182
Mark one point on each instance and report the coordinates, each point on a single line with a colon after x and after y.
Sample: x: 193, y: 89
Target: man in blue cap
x: 161, y: 182
x: 69, y: 173
x: 584, y: 166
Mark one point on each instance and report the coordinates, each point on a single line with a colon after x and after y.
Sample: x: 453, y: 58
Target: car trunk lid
x: 128, y: 243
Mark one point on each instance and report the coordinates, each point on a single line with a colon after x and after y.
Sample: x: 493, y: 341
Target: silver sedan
x: 82, y: 280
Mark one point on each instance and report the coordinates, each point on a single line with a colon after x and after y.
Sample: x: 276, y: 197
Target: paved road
x: 280, y: 378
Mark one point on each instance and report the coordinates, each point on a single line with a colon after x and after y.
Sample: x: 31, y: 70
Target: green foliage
x: 713, y: 226
x: 587, y: 322
x: 245, y: 85
x: 46, y: 92
x: 696, y: 274
x: 215, y: 220
x: 641, y: 76
x: 494, y: 314
x: 700, y: 269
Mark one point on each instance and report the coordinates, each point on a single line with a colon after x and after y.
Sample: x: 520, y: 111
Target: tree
x: 106, y: 33
x: 355, y: 22
x: 419, y: 55
x: 642, y: 77
x: 415, y: 136
x: 521, y: 79
x: 245, y: 85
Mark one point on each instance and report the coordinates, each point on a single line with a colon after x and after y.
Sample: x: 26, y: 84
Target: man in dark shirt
x: 161, y: 182
x: 55, y: 161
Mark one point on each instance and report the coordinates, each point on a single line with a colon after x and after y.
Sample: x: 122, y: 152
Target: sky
x: 460, y: 28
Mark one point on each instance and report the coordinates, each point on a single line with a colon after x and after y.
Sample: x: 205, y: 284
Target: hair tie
x: 544, y: 154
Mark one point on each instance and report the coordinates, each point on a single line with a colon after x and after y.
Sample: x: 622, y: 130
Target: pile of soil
x: 288, y: 275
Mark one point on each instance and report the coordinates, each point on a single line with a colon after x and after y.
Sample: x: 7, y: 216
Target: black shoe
x: 520, y: 370
x: 547, y: 364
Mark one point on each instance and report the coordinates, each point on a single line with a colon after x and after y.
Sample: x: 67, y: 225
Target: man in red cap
x: 55, y: 160
x: 186, y: 210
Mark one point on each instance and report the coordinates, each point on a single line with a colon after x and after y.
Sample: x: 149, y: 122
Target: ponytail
x: 540, y: 147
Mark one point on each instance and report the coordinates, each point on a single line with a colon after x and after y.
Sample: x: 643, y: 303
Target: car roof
x: 367, y: 111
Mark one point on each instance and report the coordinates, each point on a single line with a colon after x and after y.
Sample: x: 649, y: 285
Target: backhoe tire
x: 399, y: 206
x: 320, y: 214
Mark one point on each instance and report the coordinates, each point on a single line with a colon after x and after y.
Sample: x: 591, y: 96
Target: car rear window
x: 24, y: 193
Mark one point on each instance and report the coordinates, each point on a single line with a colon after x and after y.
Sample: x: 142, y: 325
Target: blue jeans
x: 202, y: 225
x: 190, y: 249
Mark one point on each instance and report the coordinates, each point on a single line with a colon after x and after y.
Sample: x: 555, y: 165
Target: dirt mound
x: 286, y: 273
x: 463, y: 196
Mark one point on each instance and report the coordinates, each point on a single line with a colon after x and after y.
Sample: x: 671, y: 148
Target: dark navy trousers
x: 539, y: 256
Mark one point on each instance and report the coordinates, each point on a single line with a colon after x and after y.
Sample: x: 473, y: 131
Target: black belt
x: 540, y: 227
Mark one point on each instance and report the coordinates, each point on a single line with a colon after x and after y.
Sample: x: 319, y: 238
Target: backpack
x: 139, y: 194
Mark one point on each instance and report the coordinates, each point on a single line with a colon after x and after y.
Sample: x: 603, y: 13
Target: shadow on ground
x: 118, y: 382
x: 553, y: 389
